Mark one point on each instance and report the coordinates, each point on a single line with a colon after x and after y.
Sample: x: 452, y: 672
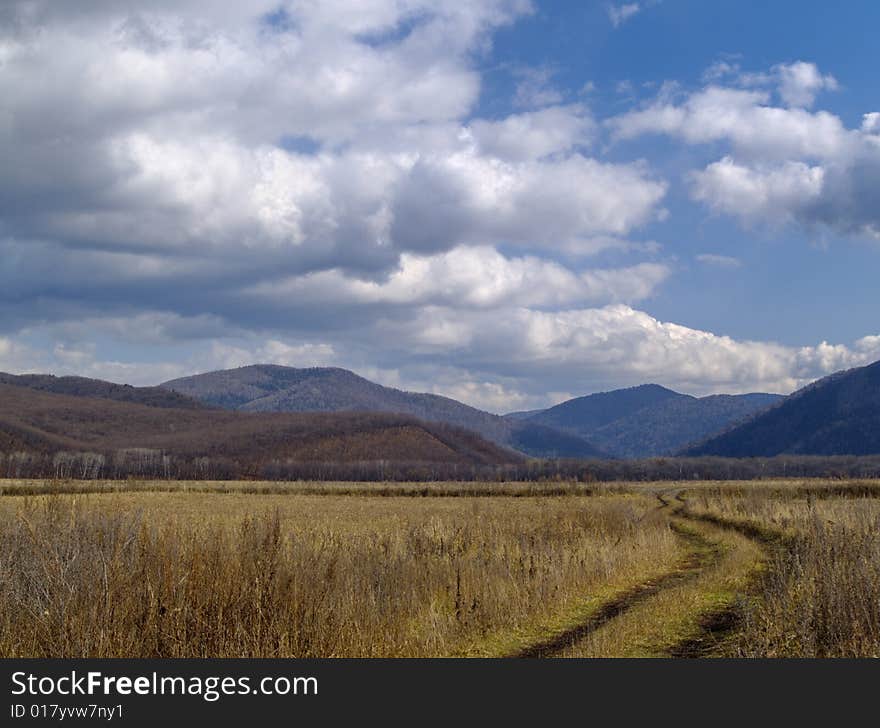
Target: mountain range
x: 38, y: 421
x: 648, y: 420
x: 837, y: 415
x: 268, y: 412
x: 271, y: 388
x: 637, y: 422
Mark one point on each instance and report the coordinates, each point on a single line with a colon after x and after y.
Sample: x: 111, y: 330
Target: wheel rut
x: 703, y: 554
x: 720, y: 623
x: 689, y: 568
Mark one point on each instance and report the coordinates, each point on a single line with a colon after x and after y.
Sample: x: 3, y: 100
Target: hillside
x: 648, y: 420
x: 39, y: 421
x: 272, y: 388
x: 85, y: 387
x: 583, y: 415
x: 838, y: 415
x: 667, y: 426
x: 523, y: 414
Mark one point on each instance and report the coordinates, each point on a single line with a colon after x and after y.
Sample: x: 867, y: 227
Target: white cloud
x: 224, y: 355
x: 85, y: 362
x: 534, y: 135
x: 745, y: 119
x: 797, y: 84
x: 774, y: 194
x: 473, y: 277
x: 17, y: 357
x: 871, y: 123
x: 198, y: 184
x: 800, y: 83
x: 785, y: 164
x: 204, y: 65
x: 621, y: 346
x: 501, y: 362
x: 335, y: 139
x: 619, y: 14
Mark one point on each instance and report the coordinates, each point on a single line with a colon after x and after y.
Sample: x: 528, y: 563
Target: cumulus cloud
x: 18, y: 357
x: 871, y: 123
x: 800, y: 83
x: 517, y: 360
x: 774, y: 194
x: 797, y: 84
x: 786, y: 164
x: 198, y: 184
x: 203, y: 149
x: 172, y: 108
x: 473, y: 277
x: 328, y: 69
x: 744, y: 118
x: 622, y: 346
x: 533, y: 135
x: 333, y: 138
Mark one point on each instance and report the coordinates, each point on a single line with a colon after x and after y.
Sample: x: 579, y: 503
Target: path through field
x: 685, y: 612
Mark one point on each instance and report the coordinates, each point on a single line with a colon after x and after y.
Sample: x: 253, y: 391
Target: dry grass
x: 182, y: 574
x: 821, y: 597
x: 220, y: 569
x: 723, y: 566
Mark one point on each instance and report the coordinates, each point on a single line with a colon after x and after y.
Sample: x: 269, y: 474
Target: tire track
x: 718, y: 624
x: 704, y: 554
x: 688, y: 569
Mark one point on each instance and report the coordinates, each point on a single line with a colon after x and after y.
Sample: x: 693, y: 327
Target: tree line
x: 150, y: 463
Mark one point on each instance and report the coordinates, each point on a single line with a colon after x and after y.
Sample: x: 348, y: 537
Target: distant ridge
x: 586, y: 414
x: 85, y: 387
x: 638, y: 422
x: 44, y: 422
x: 273, y: 388
x: 837, y: 415
x: 648, y: 420
x: 666, y: 427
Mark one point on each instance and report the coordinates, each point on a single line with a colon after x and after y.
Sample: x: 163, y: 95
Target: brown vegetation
x: 821, y: 595
x: 60, y: 436
x: 85, y: 387
x: 160, y: 568
x: 185, y: 575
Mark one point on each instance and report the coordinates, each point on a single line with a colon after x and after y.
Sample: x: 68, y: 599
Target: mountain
x: 647, y: 420
x: 44, y: 422
x: 586, y: 414
x: 272, y: 388
x: 522, y: 415
x: 84, y: 387
x: 666, y: 427
x: 838, y: 415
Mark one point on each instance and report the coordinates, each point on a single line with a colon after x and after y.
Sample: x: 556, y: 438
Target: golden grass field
x: 220, y: 569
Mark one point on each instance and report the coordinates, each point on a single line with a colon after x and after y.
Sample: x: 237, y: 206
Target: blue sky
x: 504, y: 201
x: 794, y: 286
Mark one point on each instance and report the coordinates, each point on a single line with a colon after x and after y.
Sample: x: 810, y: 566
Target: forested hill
x: 666, y: 427
x: 272, y: 388
x: 85, y: 387
x: 838, y: 415
x: 647, y: 420
x: 44, y: 423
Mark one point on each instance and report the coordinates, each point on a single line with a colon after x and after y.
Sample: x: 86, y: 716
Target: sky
x: 503, y: 201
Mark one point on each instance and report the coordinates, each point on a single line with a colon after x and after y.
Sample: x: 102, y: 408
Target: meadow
x: 776, y: 568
